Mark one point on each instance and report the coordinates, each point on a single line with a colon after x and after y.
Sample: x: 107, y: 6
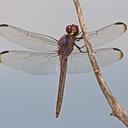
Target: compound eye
x: 72, y: 30
x: 75, y: 30
x: 69, y: 29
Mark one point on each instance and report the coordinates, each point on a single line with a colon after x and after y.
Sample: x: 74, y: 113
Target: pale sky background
x: 28, y: 101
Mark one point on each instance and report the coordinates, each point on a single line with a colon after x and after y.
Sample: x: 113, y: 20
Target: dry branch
x: 117, y: 109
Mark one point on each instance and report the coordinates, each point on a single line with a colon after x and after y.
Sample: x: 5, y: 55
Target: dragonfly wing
x: 30, y: 40
x: 31, y: 62
x: 105, y: 35
x: 79, y: 62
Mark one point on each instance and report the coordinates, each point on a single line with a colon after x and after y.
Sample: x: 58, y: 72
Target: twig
x: 117, y: 109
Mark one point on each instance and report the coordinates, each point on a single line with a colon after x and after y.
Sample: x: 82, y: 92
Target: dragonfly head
x: 72, y: 30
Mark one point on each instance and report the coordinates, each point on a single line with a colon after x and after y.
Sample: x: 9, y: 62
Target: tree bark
x: 117, y: 109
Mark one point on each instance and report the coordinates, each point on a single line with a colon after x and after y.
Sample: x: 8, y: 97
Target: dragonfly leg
x: 79, y: 38
x: 78, y: 47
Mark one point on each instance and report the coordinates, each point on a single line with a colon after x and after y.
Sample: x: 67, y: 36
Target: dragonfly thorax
x: 66, y: 45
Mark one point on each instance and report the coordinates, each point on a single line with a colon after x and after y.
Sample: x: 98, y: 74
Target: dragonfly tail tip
x: 57, y: 115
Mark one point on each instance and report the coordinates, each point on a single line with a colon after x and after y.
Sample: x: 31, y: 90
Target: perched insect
x: 70, y: 49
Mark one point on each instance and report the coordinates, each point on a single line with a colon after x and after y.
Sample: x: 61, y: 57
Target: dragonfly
x: 43, y: 52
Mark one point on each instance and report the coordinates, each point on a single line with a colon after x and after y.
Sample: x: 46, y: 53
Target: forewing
x: 31, y: 62
x: 30, y: 40
x: 79, y: 62
x: 104, y: 35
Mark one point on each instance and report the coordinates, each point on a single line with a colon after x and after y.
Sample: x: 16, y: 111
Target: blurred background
x: 29, y: 101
